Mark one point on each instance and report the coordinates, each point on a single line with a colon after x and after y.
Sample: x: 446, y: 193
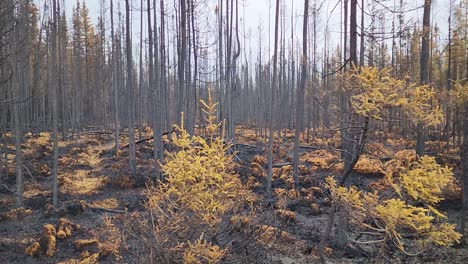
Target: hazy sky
x: 261, y: 12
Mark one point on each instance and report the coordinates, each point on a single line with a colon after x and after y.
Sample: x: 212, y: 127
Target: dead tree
x: 272, y: 100
x: 300, y: 95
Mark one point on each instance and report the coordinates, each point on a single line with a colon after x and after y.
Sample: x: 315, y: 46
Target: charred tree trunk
x: 272, y: 100
x: 424, y: 72
x: 131, y: 95
x: 300, y: 95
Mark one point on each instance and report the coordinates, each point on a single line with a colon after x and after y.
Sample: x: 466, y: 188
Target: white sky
x: 258, y: 12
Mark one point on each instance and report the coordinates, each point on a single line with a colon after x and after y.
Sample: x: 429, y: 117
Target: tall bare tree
x: 54, y: 87
x: 114, y: 80
x: 424, y: 71
x: 16, y: 105
x: 131, y: 119
x: 272, y: 101
x: 300, y: 94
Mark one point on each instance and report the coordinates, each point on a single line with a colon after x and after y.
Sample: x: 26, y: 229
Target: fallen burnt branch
x: 145, y: 139
x: 312, y: 147
x: 279, y: 165
x: 106, y: 210
x: 246, y: 145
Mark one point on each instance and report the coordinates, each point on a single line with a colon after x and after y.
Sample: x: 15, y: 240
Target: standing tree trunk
x: 424, y: 73
x: 449, y: 77
x: 220, y: 59
x: 300, y: 95
x: 353, y: 34
x: 181, y: 60
x: 54, y: 87
x: 228, y: 74
x: 165, y: 93
x: 115, y: 84
x: 362, y: 47
x: 131, y: 131
x: 157, y: 146
x: 234, y: 80
x: 15, y: 94
x: 272, y: 100
x: 139, y: 108
x: 464, y: 161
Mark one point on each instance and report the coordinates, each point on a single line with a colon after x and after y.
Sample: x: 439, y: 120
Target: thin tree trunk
x: 353, y: 34
x: 464, y: 162
x: 54, y: 87
x: 272, y: 100
x: 115, y: 84
x: 424, y: 61
x: 331, y: 217
x: 181, y: 60
x: 362, y: 48
x: 131, y: 119
x: 300, y: 95
x: 139, y: 114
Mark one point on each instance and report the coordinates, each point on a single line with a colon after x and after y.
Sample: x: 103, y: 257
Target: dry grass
x: 109, y: 203
x: 16, y: 214
x: 286, y: 215
x: 81, y: 243
x: 368, y: 165
x: 82, y: 184
x: 321, y: 159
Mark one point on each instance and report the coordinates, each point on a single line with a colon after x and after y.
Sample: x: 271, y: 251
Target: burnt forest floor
x: 97, y: 193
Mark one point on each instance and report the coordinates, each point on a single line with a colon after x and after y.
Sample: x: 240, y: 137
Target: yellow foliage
x: 351, y: 198
x: 202, y: 252
x: 443, y: 235
x: 199, y: 189
x: 391, y: 218
x: 424, y: 180
x: 199, y: 178
x: 374, y: 91
x: 395, y: 213
x: 418, y: 105
x: 209, y: 108
x: 85, y: 258
x: 88, y: 258
x: 459, y: 93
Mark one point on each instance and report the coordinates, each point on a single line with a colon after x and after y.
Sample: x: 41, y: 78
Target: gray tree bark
x: 424, y: 72
x: 300, y: 95
x: 115, y: 84
x: 54, y: 87
x: 272, y: 100
x: 131, y: 120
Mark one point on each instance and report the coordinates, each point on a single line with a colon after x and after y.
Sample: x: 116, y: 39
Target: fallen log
x: 279, y: 165
x: 246, y: 145
x: 107, y: 210
x: 145, y: 139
